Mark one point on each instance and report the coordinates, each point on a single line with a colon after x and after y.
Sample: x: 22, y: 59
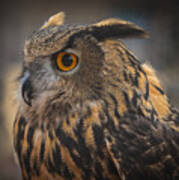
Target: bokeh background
x: 19, y: 18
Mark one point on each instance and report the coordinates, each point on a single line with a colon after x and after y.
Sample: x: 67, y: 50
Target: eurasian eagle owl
x: 88, y: 109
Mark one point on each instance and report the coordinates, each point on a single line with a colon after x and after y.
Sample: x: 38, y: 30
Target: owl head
x: 67, y: 64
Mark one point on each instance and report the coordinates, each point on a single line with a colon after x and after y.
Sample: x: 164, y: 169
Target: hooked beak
x: 27, y: 89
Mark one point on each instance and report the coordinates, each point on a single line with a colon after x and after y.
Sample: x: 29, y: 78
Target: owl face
x: 65, y: 63
x: 71, y: 72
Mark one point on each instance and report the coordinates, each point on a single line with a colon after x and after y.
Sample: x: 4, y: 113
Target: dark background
x: 19, y: 18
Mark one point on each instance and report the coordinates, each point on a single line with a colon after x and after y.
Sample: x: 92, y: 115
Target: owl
x: 89, y: 109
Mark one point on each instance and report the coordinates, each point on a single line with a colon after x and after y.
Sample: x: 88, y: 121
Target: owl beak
x: 26, y: 89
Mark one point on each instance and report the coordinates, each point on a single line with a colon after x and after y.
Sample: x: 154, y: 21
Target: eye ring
x: 66, y: 61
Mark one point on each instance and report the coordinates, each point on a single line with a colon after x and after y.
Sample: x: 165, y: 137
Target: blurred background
x: 20, y: 18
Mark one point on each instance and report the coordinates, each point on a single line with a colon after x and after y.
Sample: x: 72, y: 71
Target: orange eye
x: 66, y: 61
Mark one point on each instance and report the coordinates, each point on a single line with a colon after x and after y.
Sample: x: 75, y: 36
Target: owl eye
x: 66, y: 61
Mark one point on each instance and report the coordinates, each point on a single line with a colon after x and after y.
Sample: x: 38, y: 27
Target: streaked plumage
x: 107, y: 119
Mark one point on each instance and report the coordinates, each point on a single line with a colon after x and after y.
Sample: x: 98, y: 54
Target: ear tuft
x: 111, y: 21
x: 57, y: 20
x: 117, y: 28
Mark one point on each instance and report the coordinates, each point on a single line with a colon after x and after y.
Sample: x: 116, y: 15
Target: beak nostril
x: 27, y: 90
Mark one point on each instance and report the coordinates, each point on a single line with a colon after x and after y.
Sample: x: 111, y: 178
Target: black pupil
x: 67, y: 60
